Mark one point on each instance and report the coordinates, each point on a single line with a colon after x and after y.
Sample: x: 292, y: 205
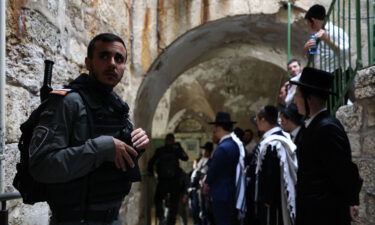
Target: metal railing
x: 350, y: 24
x: 353, y: 32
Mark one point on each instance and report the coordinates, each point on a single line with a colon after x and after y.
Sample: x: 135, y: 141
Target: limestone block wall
x: 359, y: 122
x: 57, y: 30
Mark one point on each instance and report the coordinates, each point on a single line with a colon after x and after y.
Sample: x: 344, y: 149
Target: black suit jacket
x: 328, y: 182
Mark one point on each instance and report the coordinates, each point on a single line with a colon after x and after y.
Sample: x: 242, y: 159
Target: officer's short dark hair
x: 105, y: 37
x: 269, y: 113
x: 292, y: 61
x: 316, y: 12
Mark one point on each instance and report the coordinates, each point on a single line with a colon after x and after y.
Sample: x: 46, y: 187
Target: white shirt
x: 202, y: 165
x: 295, y: 132
x: 325, y: 58
x: 292, y: 90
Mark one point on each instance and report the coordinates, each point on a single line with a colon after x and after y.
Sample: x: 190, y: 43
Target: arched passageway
x: 234, y: 64
x: 257, y: 40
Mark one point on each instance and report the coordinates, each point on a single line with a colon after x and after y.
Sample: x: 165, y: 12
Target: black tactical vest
x: 106, y: 116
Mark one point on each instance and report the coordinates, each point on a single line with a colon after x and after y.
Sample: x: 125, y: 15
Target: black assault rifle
x: 47, y: 87
x: 31, y: 190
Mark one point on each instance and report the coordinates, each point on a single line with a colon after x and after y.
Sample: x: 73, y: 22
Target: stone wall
x: 57, y: 30
x: 359, y: 122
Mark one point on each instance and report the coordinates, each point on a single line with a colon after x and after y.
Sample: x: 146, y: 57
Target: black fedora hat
x: 317, y: 80
x: 208, y: 146
x: 291, y: 112
x: 222, y: 118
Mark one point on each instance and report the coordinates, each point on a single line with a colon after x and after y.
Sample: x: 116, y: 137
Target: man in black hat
x: 291, y: 121
x: 221, y: 176
x: 328, y: 181
x: 275, y: 173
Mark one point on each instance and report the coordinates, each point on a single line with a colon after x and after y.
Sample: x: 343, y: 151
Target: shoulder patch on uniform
x: 63, y: 91
x: 39, y: 136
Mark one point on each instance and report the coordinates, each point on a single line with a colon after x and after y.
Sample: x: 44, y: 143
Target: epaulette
x: 62, y: 91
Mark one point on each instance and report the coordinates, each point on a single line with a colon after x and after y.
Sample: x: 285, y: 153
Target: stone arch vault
x: 188, y: 50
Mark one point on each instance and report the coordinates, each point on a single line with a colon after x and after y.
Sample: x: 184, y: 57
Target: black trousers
x: 167, y: 191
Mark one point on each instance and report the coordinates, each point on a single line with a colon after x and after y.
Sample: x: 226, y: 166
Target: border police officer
x: 84, y: 147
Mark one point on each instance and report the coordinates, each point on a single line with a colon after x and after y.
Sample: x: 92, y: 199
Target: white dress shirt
x: 326, y: 59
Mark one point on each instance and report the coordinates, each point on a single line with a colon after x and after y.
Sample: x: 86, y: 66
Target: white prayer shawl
x: 240, y: 176
x: 286, y: 151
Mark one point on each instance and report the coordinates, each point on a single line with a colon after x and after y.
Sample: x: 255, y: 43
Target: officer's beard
x: 100, y: 85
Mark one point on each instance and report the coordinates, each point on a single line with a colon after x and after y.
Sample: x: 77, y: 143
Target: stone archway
x: 265, y: 33
x: 262, y: 39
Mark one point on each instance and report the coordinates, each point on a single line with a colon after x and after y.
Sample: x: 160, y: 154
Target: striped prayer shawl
x: 288, y: 164
x: 240, y: 177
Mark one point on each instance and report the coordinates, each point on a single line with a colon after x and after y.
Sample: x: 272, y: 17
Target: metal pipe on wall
x: 2, y: 92
x: 289, y: 38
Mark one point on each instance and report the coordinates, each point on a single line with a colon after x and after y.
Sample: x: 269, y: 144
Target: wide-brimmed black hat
x: 291, y: 112
x: 222, y: 118
x: 317, y: 80
x: 208, y: 146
